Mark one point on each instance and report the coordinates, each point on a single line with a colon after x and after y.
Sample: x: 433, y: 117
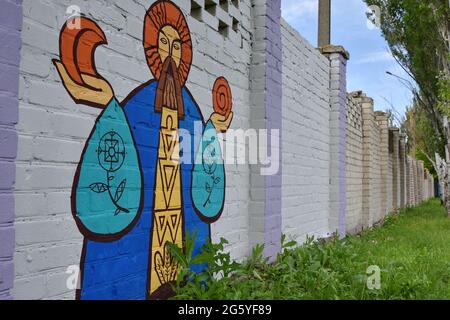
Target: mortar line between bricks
x: 45, y: 244
x: 8, y: 63
x: 49, y: 217
x: 6, y: 225
x: 22, y: 192
x: 48, y: 245
x: 46, y: 272
x: 58, y: 138
x: 51, y: 136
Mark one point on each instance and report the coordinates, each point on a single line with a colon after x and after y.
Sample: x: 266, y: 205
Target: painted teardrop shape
x: 107, y: 194
x: 208, y: 177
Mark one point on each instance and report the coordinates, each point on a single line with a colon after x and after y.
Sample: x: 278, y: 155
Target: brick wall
x: 395, y: 168
x: 402, y: 171
x: 414, y: 182
x: 374, y: 168
x: 306, y: 138
x: 354, y: 165
x: 225, y: 53
x: 337, y: 170
x: 53, y: 129
x: 338, y: 57
x: 383, y: 123
x: 407, y: 182
x: 390, y: 193
x: 381, y: 178
x: 421, y: 182
x: 371, y: 165
x: 265, y: 108
x: 10, y: 35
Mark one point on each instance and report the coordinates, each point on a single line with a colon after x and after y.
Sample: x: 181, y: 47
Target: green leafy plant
x: 410, y: 248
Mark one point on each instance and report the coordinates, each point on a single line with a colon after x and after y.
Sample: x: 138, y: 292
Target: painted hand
x: 220, y: 122
x: 95, y: 92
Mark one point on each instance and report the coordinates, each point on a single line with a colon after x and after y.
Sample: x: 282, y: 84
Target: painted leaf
x: 98, y: 187
x: 120, y: 189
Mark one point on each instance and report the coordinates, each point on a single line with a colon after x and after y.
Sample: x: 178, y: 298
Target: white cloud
x: 295, y: 9
x: 375, y: 57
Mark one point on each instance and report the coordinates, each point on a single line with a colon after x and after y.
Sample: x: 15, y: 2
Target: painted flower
x: 111, y: 152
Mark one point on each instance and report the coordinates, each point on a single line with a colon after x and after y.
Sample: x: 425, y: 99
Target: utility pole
x: 324, y: 37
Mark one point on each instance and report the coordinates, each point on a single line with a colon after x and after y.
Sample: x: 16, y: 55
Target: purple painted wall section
x: 10, y: 39
x: 274, y: 121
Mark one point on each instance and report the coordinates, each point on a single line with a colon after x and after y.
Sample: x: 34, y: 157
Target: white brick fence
x: 342, y: 168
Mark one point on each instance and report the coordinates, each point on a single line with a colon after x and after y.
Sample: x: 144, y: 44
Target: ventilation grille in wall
x: 354, y: 118
x: 222, y: 15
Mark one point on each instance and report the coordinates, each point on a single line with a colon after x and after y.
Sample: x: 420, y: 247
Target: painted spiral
x: 222, y: 99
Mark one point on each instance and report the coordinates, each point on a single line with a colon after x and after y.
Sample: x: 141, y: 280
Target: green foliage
x: 411, y: 249
x: 417, y: 32
x: 427, y: 163
x: 444, y: 94
x: 423, y: 141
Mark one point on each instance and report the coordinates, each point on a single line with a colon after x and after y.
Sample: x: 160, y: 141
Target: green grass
x: 412, y: 249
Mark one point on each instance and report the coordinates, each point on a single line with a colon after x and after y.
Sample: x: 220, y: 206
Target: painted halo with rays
x: 160, y: 14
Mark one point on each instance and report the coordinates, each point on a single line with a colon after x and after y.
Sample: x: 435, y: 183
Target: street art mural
x: 132, y: 193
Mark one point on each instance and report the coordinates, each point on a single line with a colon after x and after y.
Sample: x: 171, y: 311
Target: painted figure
x: 132, y: 193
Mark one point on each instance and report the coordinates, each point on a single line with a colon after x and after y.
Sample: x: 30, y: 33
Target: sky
x: 370, y: 57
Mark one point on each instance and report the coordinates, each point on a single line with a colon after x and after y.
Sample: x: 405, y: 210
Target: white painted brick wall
x: 53, y: 129
x: 375, y: 174
x: 390, y: 194
x: 354, y: 166
x: 306, y: 133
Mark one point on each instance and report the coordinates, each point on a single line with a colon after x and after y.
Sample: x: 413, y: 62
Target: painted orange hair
x: 160, y: 14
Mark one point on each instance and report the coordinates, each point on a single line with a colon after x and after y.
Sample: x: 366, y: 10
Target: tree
x: 444, y: 94
x: 423, y: 141
x: 417, y: 33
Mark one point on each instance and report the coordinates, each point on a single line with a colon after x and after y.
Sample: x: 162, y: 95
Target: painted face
x: 169, y: 44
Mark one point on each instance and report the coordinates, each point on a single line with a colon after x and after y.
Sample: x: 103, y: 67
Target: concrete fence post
x: 416, y: 183
x: 266, y: 113
x: 402, y: 146
x: 408, y: 180
x: 395, y: 168
x: 383, y: 122
x: 368, y: 158
x: 420, y: 174
x: 338, y: 57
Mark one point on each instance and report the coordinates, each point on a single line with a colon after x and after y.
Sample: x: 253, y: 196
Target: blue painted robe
x: 119, y: 269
